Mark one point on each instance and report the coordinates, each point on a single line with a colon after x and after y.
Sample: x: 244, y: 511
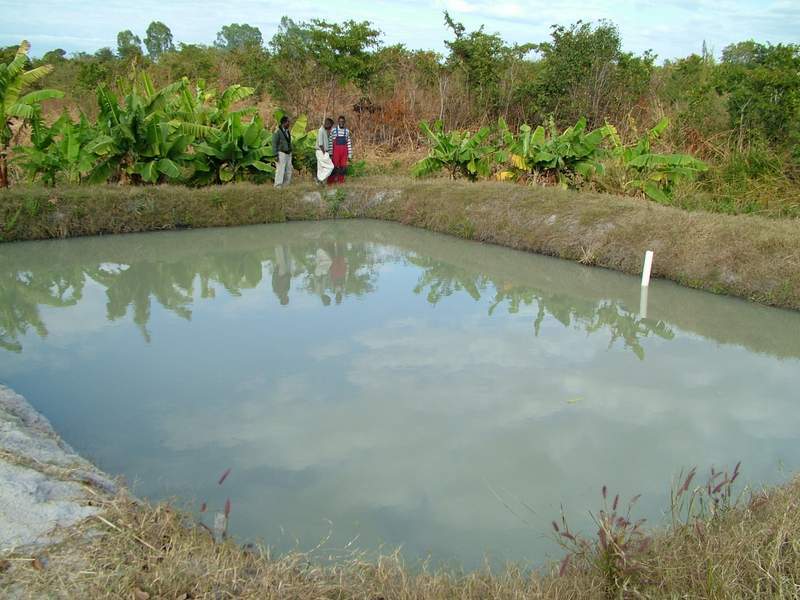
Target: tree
x: 105, y: 55
x: 94, y: 69
x: 338, y: 53
x: 688, y: 87
x: 742, y: 53
x: 484, y: 59
x: 55, y: 56
x: 138, y: 140
x: 236, y: 36
x: 762, y: 88
x: 129, y: 46
x: 92, y: 73
x: 158, y: 40
x: 585, y: 73
x: 13, y: 80
x: 343, y: 49
x: 191, y: 60
x: 255, y: 65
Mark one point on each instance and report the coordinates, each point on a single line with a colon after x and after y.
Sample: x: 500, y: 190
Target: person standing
x: 282, y: 148
x: 342, y: 143
x: 323, y: 151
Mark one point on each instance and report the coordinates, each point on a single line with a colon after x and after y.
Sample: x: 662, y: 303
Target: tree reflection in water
x: 23, y: 292
x: 327, y: 266
x: 442, y: 280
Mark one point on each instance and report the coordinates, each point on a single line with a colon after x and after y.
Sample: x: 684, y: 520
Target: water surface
x: 365, y: 381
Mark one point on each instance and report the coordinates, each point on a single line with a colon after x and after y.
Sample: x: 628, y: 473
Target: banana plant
x: 13, y: 105
x: 62, y: 148
x: 304, y: 149
x: 655, y: 174
x: 460, y: 153
x: 165, y: 155
x: 236, y: 151
x: 139, y: 138
x: 202, y: 107
x: 562, y: 157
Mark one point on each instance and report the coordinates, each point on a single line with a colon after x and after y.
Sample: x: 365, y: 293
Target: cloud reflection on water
x: 390, y: 380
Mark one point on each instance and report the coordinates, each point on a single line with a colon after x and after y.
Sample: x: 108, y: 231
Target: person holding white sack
x: 324, y: 161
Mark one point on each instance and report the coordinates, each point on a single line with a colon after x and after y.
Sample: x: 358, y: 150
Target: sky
x: 671, y: 28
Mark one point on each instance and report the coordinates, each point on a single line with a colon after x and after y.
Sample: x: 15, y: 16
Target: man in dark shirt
x: 282, y: 148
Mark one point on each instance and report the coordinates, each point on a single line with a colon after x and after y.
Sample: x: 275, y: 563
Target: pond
x: 374, y: 386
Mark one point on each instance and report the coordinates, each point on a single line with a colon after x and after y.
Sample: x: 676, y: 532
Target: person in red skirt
x: 342, y: 143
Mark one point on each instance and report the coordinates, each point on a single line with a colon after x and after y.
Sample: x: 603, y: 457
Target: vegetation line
x: 574, y: 110
x: 721, y: 543
x: 745, y: 256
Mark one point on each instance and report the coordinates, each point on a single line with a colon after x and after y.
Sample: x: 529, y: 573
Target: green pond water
x: 379, y: 386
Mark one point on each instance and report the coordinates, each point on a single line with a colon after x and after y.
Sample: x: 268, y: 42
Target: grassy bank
x: 746, y: 256
x: 142, y: 551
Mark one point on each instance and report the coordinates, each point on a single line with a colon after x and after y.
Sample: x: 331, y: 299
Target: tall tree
x: 158, y: 39
x: 128, y: 45
x: 236, y: 36
x: 484, y: 60
x: 344, y: 49
x: 584, y: 72
x: 338, y: 53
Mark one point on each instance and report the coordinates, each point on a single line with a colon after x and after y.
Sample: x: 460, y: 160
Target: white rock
x: 32, y: 505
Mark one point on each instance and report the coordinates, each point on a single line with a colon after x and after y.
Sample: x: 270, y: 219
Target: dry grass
x: 142, y: 551
x: 383, y: 160
x: 776, y: 196
x: 746, y: 256
x: 155, y: 552
x: 752, y: 551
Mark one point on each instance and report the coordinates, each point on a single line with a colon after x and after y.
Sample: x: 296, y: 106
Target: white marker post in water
x: 648, y: 265
x: 643, y: 302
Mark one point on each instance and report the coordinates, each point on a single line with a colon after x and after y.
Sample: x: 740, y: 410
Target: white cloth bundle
x: 324, y: 165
